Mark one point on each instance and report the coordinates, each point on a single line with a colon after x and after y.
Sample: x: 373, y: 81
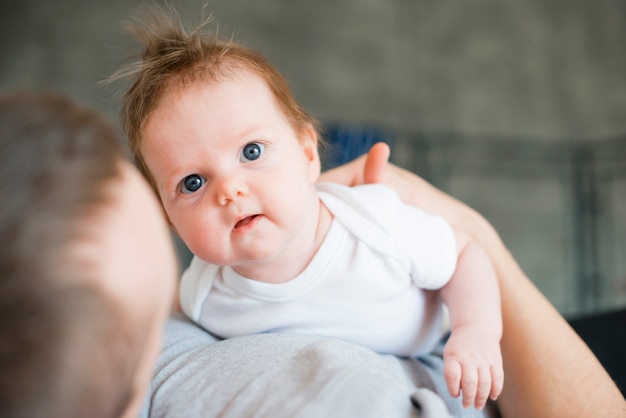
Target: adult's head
x: 87, y: 268
x: 173, y: 59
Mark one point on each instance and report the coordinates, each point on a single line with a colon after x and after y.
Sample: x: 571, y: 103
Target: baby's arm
x: 472, y: 357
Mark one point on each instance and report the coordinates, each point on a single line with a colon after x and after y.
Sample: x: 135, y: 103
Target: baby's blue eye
x: 252, y: 151
x: 191, y: 184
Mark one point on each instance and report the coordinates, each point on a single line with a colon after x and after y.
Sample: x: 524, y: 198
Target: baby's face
x: 236, y: 181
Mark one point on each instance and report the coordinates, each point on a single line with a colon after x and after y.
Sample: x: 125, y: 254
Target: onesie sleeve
x: 424, y: 243
x: 429, y: 243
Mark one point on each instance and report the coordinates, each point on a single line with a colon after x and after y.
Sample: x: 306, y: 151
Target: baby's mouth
x: 245, y: 221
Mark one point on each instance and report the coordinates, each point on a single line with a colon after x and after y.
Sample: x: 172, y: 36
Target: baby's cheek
x: 210, y: 249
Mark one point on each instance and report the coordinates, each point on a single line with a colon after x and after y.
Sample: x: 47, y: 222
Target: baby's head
x: 174, y: 59
x: 231, y: 154
x: 76, y: 337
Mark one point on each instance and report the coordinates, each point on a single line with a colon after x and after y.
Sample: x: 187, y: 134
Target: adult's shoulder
x: 280, y: 375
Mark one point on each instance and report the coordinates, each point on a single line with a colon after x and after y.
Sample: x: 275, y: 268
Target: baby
x: 234, y: 159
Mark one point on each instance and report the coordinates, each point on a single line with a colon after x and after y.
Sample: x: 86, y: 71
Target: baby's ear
x: 308, y: 140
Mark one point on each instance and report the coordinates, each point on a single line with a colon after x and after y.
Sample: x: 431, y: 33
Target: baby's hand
x: 473, y: 365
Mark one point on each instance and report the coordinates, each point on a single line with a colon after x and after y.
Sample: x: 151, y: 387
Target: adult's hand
x: 368, y: 168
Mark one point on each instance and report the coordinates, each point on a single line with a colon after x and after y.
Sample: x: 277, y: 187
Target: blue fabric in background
x: 345, y: 142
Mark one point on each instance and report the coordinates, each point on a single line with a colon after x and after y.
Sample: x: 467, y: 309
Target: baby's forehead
x: 250, y: 82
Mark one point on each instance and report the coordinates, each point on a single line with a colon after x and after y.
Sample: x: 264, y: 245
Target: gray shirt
x: 288, y: 375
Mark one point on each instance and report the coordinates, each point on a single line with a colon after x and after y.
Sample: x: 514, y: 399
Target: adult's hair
x: 64, y: 348
x: 173, y: 58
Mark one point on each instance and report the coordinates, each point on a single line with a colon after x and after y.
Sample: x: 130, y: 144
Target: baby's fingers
x: 497, y: 377
x: 452, y: 374
x: 484, y: 387
x: 469, y: 385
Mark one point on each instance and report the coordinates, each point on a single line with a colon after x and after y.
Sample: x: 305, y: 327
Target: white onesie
x: 371, y: 282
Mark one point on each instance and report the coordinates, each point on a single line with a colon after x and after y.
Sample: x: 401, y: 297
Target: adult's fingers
x: 376, y: 163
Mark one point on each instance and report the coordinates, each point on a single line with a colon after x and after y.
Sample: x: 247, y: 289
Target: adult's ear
x: 308, y: 140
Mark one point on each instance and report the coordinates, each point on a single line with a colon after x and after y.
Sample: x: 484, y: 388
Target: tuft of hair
x: 173, y: 58
x: 65, y: 350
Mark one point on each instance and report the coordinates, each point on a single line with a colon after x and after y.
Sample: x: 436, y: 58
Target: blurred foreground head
x: 78, y: 328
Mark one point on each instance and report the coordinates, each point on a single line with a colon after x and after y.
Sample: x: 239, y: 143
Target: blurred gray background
x: 516, y: 107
